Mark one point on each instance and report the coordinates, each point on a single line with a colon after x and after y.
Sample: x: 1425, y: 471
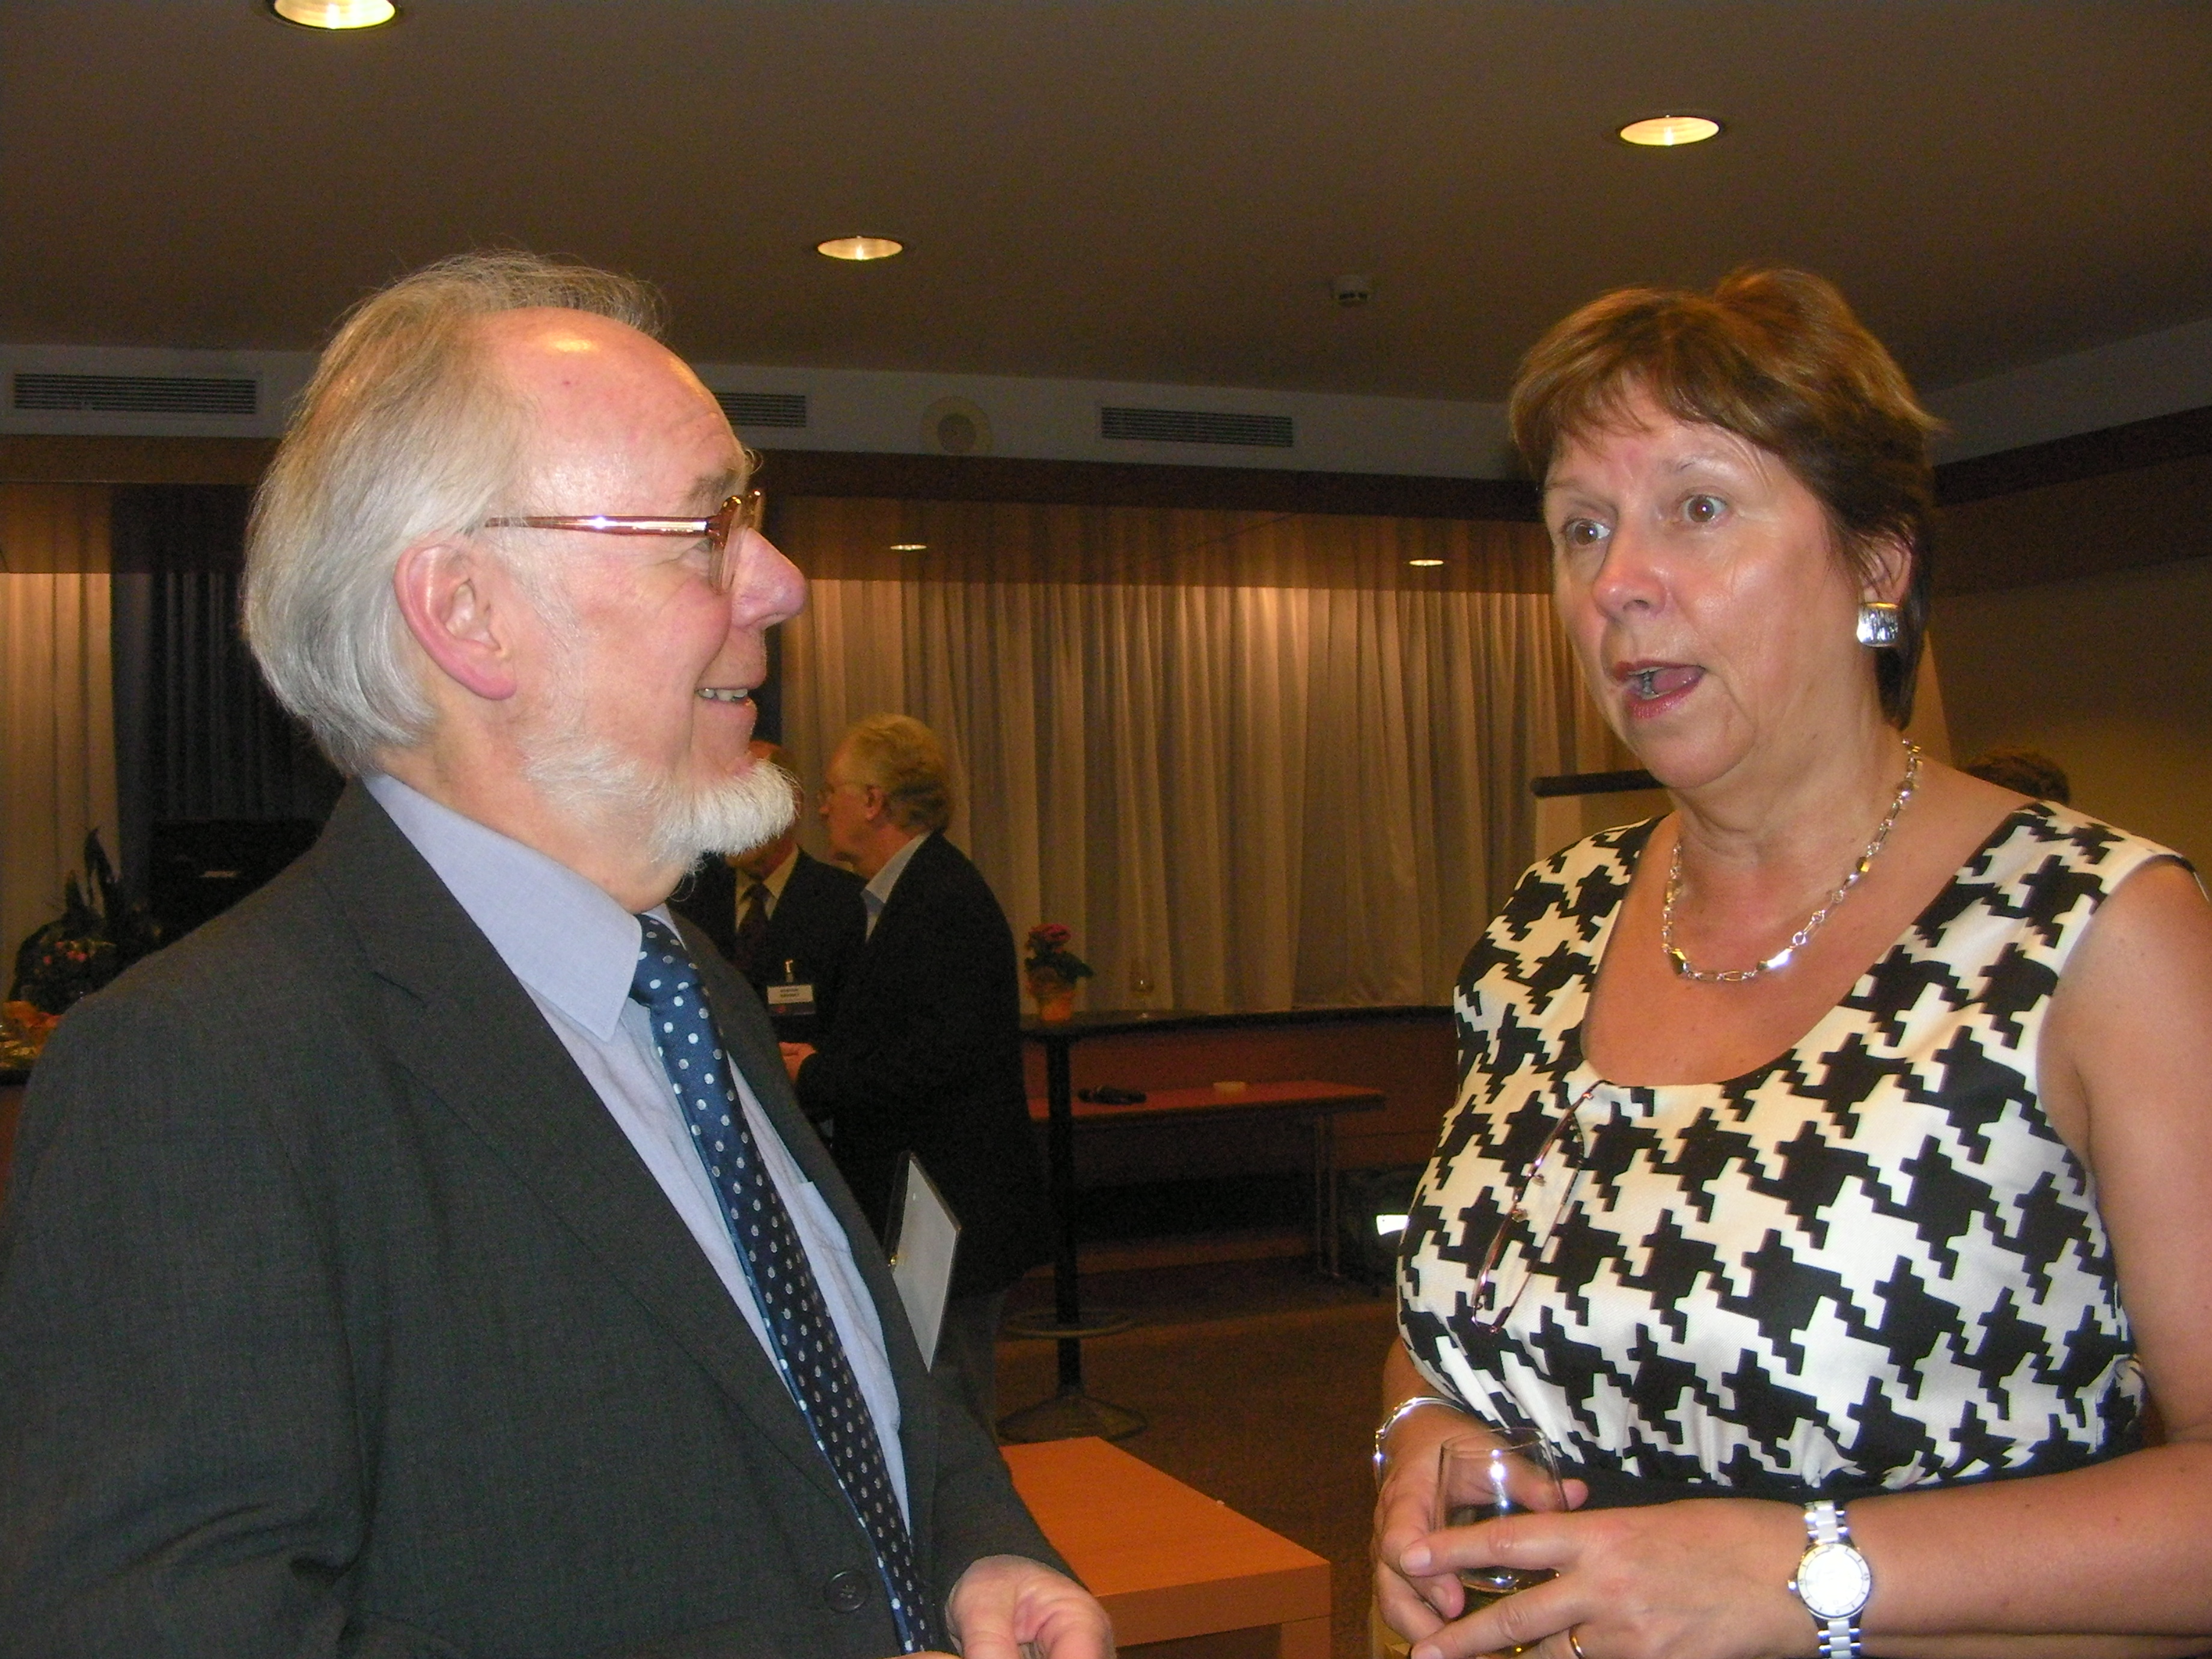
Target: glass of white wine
x: 1483, y: 1477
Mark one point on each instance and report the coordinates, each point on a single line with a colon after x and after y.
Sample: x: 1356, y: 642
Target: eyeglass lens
x: 736, y: 516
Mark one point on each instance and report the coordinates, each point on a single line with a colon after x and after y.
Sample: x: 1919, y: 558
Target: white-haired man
x: 429, y: 1258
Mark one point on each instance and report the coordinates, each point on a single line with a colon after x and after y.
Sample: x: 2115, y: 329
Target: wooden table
x: 1181, y: 1574
x: 11, y: 1109
x: 1321, y: 1103
x: 1072, y: 1413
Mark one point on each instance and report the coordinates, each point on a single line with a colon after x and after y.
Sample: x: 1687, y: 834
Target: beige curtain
x: 1264, y: 756
x: 56, y: 704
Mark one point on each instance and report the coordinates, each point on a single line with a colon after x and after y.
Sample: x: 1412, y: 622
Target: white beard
x: 679, y: 822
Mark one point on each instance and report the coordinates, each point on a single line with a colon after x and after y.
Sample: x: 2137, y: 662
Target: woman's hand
x: 1404, y: 1509
x: 1702, y: 1579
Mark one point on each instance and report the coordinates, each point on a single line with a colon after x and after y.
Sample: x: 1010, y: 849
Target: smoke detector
x: 1352, y: 291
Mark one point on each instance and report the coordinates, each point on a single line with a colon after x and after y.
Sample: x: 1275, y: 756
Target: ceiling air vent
x: 748, y: 409
x: 1196, y: 426
x: 139, y: 394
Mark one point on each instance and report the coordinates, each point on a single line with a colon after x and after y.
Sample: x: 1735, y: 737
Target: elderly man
x: 788, y: 922
x: 926, y: 1052
x: 428, y: 1258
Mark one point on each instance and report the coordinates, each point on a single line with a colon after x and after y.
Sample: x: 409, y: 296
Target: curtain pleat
x: 203, y: 737
x: 1307, y: 790
x: 58, y: 736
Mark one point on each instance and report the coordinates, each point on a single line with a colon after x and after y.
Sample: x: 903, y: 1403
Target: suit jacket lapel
x: 466, y: 1028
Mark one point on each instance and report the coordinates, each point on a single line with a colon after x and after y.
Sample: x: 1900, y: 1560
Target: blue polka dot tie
x: 807, y: 1349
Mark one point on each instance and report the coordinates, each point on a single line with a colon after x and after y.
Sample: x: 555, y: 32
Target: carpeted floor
x: 1260, y: 1383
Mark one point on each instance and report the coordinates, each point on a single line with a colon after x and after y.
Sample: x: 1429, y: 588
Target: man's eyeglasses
x: 728, y: 522
x: 1546, y: 1193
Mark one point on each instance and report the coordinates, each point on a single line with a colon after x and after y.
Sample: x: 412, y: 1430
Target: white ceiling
x: 1150, y: 190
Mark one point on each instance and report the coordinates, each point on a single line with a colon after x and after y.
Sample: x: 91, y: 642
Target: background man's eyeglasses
x: 732, y: 519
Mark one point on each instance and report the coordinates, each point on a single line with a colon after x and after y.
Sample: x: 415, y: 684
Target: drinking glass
x: 1140, y: 982
x: 1485, y: 1477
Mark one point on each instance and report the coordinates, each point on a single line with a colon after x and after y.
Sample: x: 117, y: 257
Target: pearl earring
x: 1878, y: 624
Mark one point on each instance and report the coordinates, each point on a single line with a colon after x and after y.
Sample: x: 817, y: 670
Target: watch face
x: 1833, y: 1581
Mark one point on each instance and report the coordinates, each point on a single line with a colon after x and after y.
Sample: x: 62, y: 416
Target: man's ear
x: 1888, y: 574
x: 458, y: 606
x: 876, y: 801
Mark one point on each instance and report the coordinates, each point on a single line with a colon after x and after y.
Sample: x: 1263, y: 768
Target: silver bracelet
x: 1398, y: 1414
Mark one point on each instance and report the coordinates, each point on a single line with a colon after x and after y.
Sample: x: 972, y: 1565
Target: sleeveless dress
x: 1870, y: 1264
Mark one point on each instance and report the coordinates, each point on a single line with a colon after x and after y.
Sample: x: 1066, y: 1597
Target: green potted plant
x: 80, y: 949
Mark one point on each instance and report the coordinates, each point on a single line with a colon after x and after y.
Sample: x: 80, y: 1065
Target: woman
x: 1830, y: 1171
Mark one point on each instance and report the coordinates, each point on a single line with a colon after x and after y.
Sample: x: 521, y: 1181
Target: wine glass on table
x: 1140, y: 984
x: 1485, y: 1477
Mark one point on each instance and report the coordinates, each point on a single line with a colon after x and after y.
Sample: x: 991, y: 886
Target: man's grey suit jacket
x: 337, y: 1316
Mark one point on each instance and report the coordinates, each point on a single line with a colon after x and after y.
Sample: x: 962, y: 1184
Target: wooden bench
x: 1183, y: 1576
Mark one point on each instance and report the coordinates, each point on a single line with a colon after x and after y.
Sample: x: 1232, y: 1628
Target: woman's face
x: 1695, y: 577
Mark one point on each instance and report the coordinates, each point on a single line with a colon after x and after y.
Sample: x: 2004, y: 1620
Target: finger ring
x: 1575, y: 1644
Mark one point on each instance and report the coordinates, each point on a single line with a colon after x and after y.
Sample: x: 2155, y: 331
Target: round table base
x: 1045, y: 1322
x: 1070, y: 1416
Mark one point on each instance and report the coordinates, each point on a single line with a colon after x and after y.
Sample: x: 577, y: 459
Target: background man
x: 372, y: 1280
x: 787, y: 922
x: 926, y: 1052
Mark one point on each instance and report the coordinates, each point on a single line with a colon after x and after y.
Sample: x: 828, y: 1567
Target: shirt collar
x: 880, y: 884
x: 775, y: 880
x: 562, y: 936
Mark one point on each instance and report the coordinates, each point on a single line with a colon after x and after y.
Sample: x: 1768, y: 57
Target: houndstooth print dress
x: 1868, y: 1265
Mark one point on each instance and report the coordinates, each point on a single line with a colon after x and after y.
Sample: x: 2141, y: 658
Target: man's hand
x: 795, y: 1054
x: 1007, y: 1607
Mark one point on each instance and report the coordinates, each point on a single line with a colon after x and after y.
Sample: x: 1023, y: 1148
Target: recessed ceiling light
x: 1668, y: 131
x: 860, y: 247
x: 335, y: 13
x: 909, y: 547
x: 1425, y: 564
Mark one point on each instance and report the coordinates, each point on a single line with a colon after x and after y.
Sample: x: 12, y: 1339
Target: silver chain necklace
x: 1780, y: 959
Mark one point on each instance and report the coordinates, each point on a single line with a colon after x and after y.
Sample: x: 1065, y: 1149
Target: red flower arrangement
x: 1048, y: 954
x: 88, y: 945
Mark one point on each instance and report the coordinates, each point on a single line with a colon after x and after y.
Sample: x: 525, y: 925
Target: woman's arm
x: 2110, y: 1562
x: 1404, y: 1500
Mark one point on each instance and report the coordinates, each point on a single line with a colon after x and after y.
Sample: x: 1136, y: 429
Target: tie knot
x: 665, y: 973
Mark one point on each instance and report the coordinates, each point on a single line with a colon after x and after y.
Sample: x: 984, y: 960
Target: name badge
x: 791, y: 999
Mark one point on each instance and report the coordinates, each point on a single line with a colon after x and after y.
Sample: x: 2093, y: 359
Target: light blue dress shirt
x: 575, y: 949
x: 877, y: 893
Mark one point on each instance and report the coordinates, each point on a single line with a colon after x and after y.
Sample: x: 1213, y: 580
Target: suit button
x: 846, y: 1591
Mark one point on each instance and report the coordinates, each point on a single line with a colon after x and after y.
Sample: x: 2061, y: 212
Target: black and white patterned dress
x: 1870, y: 1264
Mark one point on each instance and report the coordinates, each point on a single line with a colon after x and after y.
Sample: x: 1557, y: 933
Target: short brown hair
x: 1776, y: 357
x: 902, y: 756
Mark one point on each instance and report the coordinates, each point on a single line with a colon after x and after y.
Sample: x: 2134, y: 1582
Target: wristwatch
x: 1833, y: 1581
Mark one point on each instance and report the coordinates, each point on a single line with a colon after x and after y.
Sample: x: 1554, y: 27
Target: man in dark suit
x: 926, y: 1052
x: 427, y: 1258
x: 791, y: 924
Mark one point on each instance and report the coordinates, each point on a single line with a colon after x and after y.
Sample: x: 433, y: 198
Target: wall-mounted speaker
x: 953, y: 426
